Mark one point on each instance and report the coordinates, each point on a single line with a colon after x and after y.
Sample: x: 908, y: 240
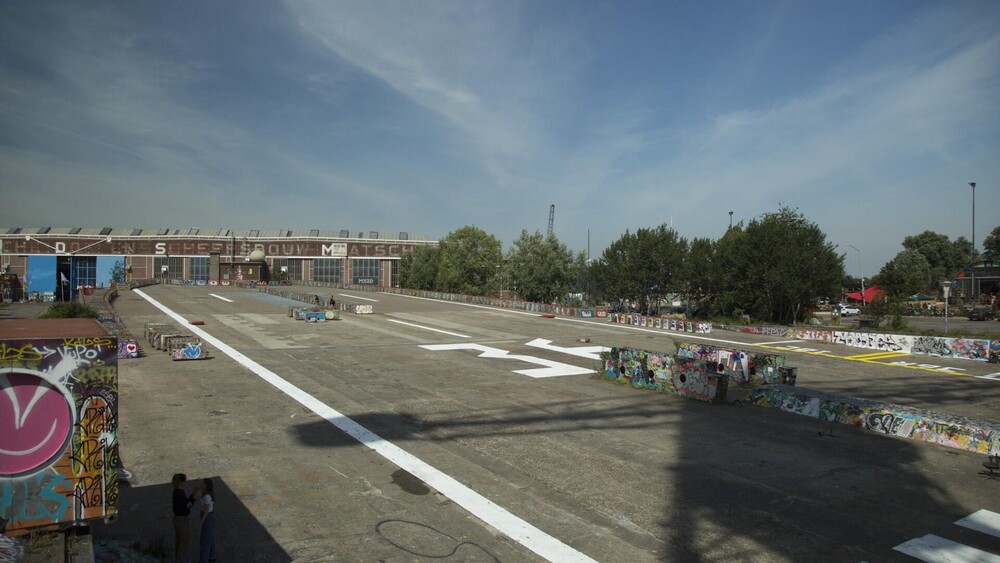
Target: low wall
x: 666, y: 373
x: 59, y: 462
x: 743, y: 367
x: 958, y: 348
x: 883, y: 418
x: 179, y: 344
x: 663, y: 323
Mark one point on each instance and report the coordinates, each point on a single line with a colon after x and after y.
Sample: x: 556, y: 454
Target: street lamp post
x: 861, y: 272
x: 972, y: 291
x: 730, y: 219
x: 946, y: 285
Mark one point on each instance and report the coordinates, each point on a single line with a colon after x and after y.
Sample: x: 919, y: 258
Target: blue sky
x: 868, y: 117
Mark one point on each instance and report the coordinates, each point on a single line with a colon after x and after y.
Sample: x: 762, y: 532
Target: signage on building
x: 202, y: 247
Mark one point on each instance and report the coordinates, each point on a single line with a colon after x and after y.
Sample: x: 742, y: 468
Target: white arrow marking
x: 552, y: 369
x: 589, y: 352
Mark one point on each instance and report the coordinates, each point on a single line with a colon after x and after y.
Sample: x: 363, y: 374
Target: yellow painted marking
x: 875, y: 356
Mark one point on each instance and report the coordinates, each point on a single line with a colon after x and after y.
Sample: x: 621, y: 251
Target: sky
x: 869, y: 118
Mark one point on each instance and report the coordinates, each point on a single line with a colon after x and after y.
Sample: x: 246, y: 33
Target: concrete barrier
x: 743, y: 367
x: 883, y: 418
x: 666, y: 373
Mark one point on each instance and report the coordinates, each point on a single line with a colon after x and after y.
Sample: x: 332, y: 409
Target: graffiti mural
x: 58, y: 431
x: 884, y: 418
x: 666, y: 373
x: 660, y: 322
x: 970, y: 349
x: 995, y: 352
x: 746, y: 369
x: 872, y: 341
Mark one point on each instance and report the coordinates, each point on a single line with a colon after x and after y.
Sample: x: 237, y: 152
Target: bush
x: 70, y: 310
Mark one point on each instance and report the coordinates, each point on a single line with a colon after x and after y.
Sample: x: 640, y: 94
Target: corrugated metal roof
x: 214, y: 231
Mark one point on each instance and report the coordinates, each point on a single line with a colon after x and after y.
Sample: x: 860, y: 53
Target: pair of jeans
x: 206, y: 539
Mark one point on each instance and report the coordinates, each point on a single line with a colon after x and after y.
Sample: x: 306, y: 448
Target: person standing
x: 206, y: 538
x: 182, y: 503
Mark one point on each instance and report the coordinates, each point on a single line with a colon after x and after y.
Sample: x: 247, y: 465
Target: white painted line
x: 994, y: 376
x: 935, y: 549
x: 551, y: 369
x: 483, y: 508
x: 782, y: 342
x: 356, y: 297
x: 684, y: 335
x: 429, y: 328
x: 985, y: 521
x: 589, y: 352
x: 221, y: 297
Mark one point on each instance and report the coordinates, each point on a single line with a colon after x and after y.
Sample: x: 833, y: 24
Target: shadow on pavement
x: 743, y: 483
x: 145, y: 526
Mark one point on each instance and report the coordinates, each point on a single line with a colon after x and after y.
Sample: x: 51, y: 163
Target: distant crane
x: 552, y: 217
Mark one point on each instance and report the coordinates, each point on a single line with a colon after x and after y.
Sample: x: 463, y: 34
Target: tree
x: 469, y: 260
x: 906, y: 274
x: 699, y: 276
x: 118, y: 272
x: 945, y: 257
x: 991, y: 245
x: 787, y: 263
x: 644, y: 267
x: 418, y: 268
x: 541, y: 268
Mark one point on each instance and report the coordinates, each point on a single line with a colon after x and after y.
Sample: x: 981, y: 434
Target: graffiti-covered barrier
x: 745, y: 368
x: 663, y: 323
x: 179, y: 344
x: 883, y: 418
x: 666, y: 373
x: 58, y: 424
x: 313, y: 314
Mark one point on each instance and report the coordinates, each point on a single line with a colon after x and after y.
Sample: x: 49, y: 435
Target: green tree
x: 787, y: 263
x: 991, y: 245
x: 699, y: 277
x: 418, y: 268
x: 945, y: 257
x: 906, y: 274
x: 644, y: 267
x: 469, y: 261
x: 118, y: 272
x: 541, y: 268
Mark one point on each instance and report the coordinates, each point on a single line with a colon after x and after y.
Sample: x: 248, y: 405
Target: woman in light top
x: 206, y: 540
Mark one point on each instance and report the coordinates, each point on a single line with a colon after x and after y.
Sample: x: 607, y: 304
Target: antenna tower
x: 552, y: 217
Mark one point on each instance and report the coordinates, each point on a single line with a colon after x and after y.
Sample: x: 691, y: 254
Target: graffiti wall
x: 664, y: 323
x: 884, y: 418
x: 666, y: 373
x: 58, y: 431
x: 746, y: 369
x: 874, y: 341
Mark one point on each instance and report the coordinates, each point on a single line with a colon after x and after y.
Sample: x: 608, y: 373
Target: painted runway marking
x: 875, y: 356
x: 429, y: 328
x: 935, y: 549
x: 686, y: 335
x: 483, y: 508
x: 985, y: 521
x: 221, y: 297
x: 551, y: 369
x: 993, y: 376
x: 589, y: 352
x: 356, y: 297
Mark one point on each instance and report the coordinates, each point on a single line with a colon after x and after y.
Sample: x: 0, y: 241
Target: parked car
x: 847, y: 310
x: 980, y: 313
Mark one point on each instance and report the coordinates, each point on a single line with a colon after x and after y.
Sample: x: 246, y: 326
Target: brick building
x: 46, y: 258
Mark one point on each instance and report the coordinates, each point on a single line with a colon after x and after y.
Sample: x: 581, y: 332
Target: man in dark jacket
x: 182, y: 503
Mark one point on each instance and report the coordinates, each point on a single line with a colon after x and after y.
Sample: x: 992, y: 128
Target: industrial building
x: 50, y: 261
